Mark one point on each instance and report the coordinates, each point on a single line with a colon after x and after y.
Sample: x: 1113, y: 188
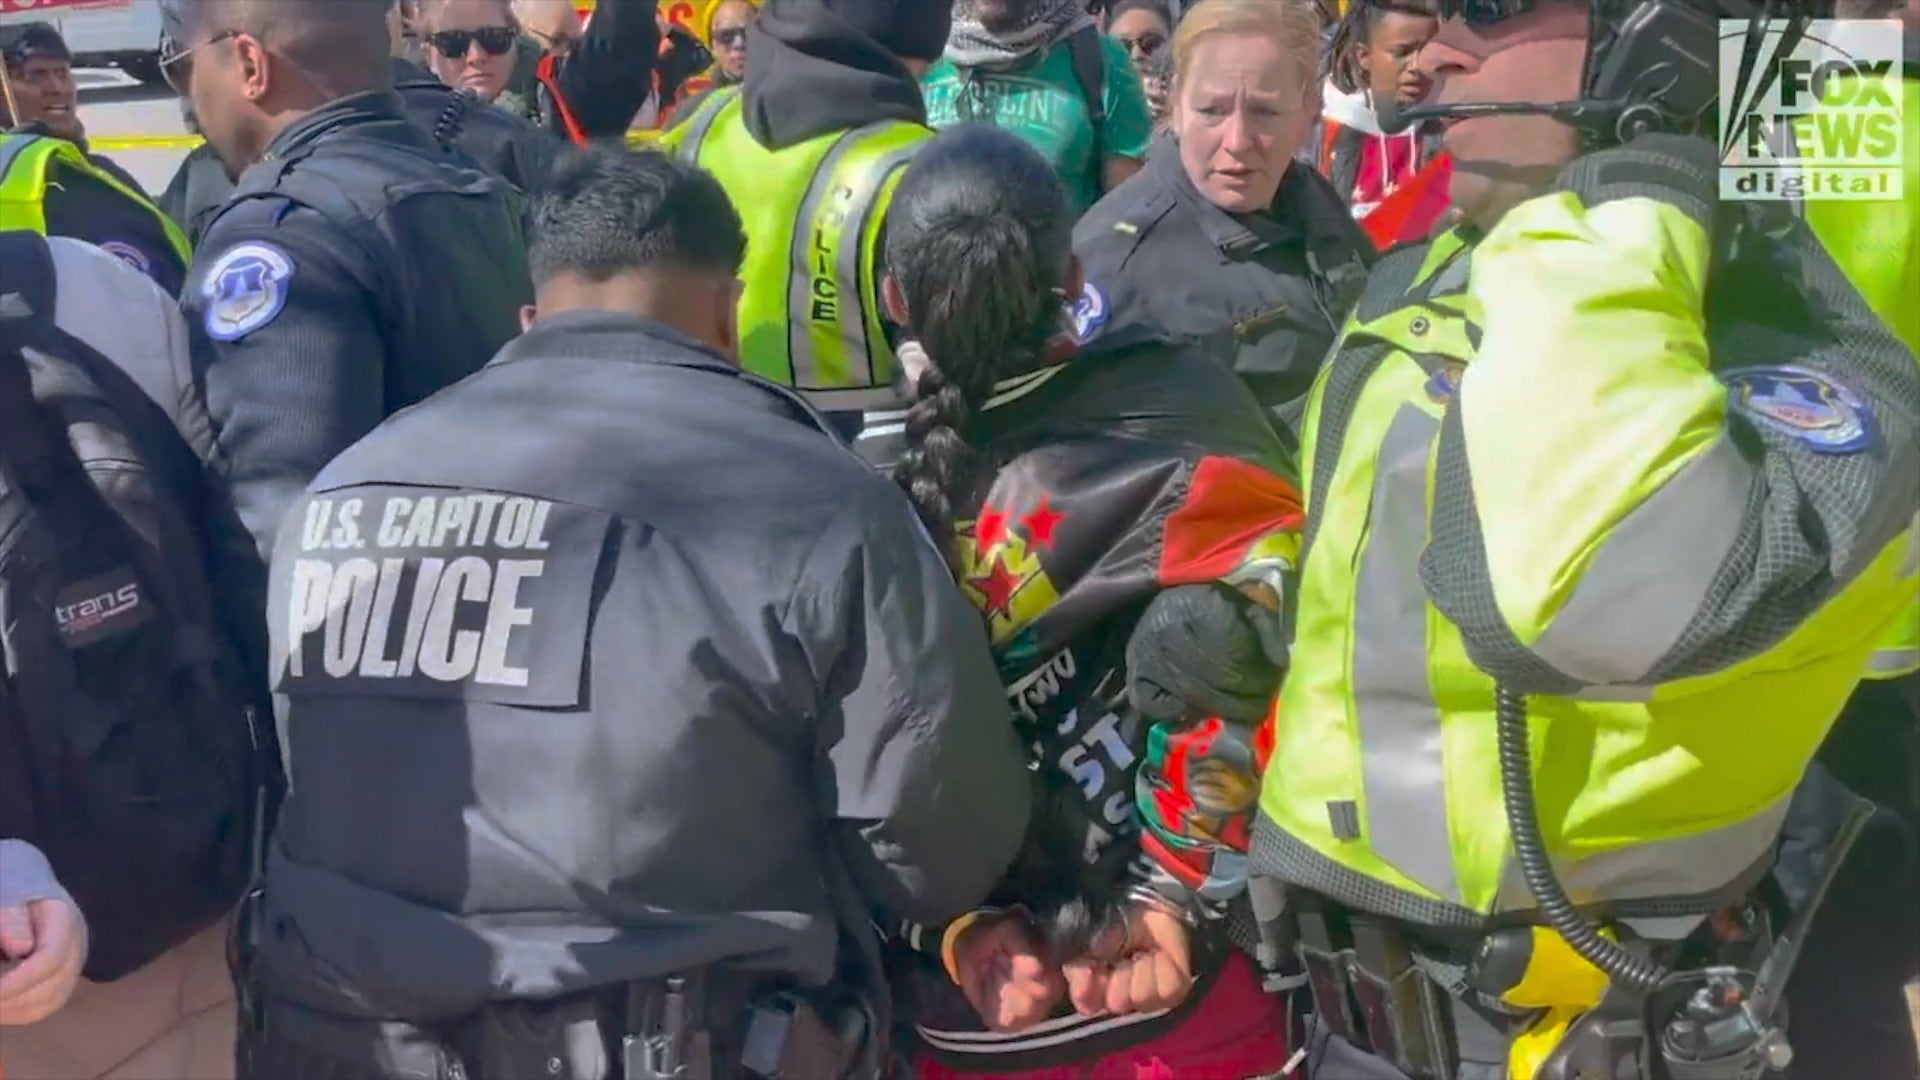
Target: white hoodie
x: 1355, y: 111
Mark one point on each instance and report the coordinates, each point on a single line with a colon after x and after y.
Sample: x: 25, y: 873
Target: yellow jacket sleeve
x: 1624, y: 496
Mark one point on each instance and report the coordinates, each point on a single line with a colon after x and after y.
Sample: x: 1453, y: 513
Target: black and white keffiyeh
x: 1050, y: 21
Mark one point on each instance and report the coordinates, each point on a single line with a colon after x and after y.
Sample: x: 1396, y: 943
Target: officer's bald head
x: 342, y: 46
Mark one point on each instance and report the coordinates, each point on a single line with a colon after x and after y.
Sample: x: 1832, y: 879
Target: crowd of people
x: 953, y: 539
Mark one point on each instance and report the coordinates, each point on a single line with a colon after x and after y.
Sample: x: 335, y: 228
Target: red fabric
x: 549, y: 74
x: 1411, y: 212
x: 1238, y: 1031
x: 1386, y: 165
x: 1230, y: 506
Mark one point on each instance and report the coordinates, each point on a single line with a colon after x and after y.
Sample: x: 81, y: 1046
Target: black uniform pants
x: 571, y: 1038
x: 1847, y: 999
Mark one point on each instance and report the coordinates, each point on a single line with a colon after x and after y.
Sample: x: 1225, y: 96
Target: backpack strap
x: 1090, y: 70
x: 27, y: 291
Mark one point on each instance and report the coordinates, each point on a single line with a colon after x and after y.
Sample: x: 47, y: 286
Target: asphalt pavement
x: 139, y: 127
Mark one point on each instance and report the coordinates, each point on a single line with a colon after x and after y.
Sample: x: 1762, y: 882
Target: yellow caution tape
x: 181, y: 141
x: 188, y: 142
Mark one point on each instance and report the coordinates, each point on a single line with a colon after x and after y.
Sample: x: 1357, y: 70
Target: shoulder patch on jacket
x: 245, y: 289
x: 1089, y: 312
x: 1825, y: 416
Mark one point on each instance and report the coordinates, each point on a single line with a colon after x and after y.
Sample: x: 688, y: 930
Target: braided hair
x: 979, y: 241
x: 1356, y: 28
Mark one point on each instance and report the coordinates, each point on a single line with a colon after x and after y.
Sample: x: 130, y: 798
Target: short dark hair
x: 605, y: 210
x: 22, y: 42
x: 342, y: 44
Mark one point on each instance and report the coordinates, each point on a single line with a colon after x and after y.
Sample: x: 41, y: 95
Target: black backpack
x: 127, y: 748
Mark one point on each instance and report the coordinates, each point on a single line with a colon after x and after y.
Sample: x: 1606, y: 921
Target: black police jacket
x: 587, y: 668
x: 506, y: 145
x: 356, y: 269
x: 1277, y: 284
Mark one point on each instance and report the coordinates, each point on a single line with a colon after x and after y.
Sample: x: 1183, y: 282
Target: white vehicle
x: 102, y: 33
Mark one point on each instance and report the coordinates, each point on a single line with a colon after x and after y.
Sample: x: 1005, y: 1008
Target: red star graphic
x: 997, y: 586
x: 991, y: 529
x: 1041, y: 521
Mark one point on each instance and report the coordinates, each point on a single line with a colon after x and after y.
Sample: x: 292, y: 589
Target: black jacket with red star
x: 1138, y: 466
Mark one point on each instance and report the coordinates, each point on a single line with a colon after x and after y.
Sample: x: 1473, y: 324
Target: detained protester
x: 1373, y: 74
x: 1851, y: 1014
x: 358, y: 266
x: 1123, y: 518
x: 830, y: 103
x: 1600, y: 479
x: 1042, y: 69
x: 510, y: 147
x: 1225, y: 234
x: 503, y: 855
x: 130, y: 777
x: 50, y: 183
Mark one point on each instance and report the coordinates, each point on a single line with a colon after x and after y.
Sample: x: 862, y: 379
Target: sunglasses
x: 176, y: 63
x: 731, y: 38
x: 1484, y: 12
x: 453, y: 44
x: 1144, y: 45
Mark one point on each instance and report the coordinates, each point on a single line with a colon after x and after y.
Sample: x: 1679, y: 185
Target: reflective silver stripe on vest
x: 702, y: 123
x: 1890, y: 662
x: 1402, y: 764
x: 11, y: 147
x: 853, y: 250
x: 809, y: 369
x: 1659, y: 563
x: 1701, y: 864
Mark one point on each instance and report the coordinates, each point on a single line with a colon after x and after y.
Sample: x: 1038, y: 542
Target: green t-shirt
x: 1040, y: 100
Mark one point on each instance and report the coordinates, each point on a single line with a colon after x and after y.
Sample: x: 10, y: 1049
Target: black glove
x: 1205, y: 650
x: 1682, y: 171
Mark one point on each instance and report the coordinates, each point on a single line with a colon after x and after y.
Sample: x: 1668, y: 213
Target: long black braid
x: 979, y: 238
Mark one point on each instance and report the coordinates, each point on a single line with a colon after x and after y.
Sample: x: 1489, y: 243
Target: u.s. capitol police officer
x: 358, y: 266
x: 615, y: 694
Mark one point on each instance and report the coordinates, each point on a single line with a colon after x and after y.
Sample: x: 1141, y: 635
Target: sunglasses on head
x: 731, y: 38
x: 453, y: 44
x: 1484, y: 12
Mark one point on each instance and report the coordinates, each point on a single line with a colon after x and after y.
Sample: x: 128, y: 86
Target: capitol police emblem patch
x: 1089, y: 313
x: 1825, y: 416
x: 245, y: 289
x: 128, y: 254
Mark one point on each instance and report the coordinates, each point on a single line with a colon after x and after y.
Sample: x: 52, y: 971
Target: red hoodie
x: 1396, y: 185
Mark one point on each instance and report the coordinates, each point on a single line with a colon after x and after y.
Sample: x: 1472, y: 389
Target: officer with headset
x: 1613, y: 491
